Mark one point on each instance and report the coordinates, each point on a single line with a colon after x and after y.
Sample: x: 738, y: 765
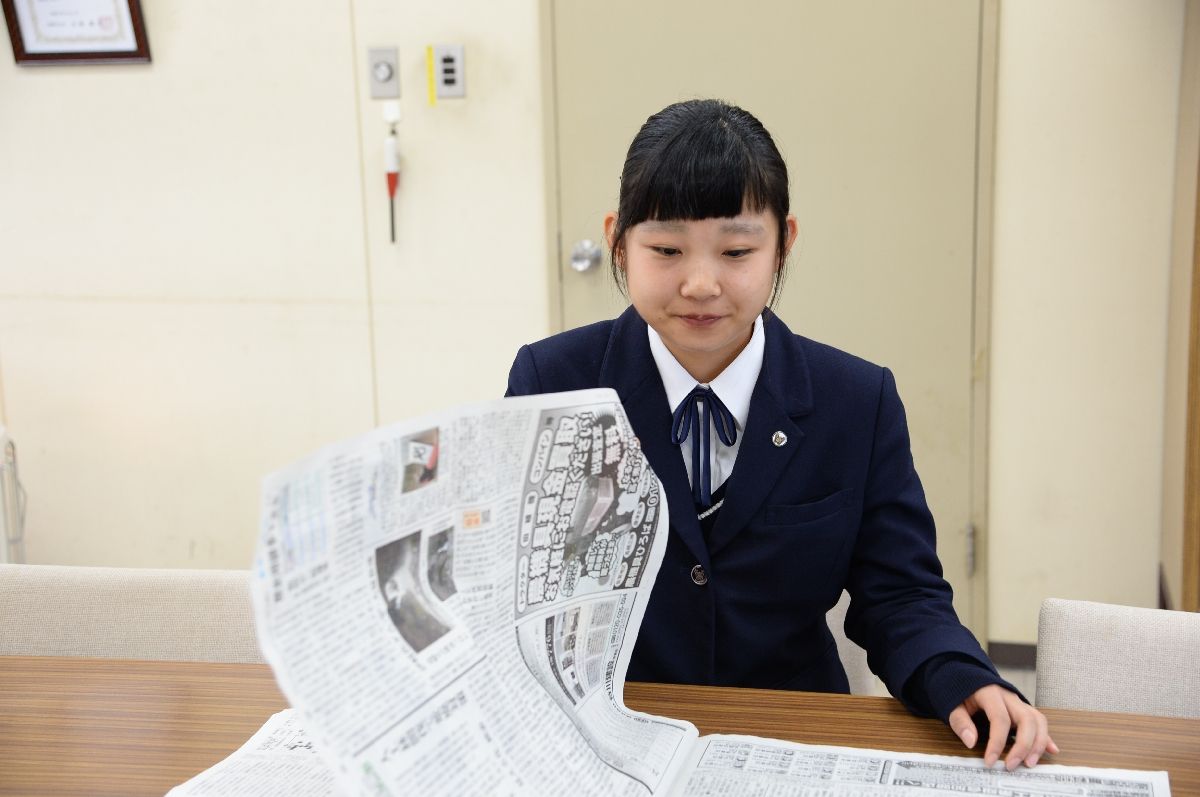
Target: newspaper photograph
x: 589, y: 510
x: 449, y: 605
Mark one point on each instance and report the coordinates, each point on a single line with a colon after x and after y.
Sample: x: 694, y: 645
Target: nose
x: 701, y: 280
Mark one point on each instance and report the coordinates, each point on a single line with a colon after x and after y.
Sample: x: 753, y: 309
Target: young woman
x: 785, y: 462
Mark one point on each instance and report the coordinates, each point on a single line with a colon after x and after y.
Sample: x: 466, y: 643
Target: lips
x: 699, y: 320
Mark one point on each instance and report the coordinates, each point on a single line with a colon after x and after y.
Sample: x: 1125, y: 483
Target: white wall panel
x: 465, y: 283
x: 1085, y: 155
x: 145, y: 428
x: 227, y: 168
x: 185, y: 292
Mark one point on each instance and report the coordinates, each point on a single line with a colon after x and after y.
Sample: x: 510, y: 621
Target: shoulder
x: 842, y: 376
x: 570, y: 360
x: 831, y: 374
x: 587, y: 341
x: 829, y: 360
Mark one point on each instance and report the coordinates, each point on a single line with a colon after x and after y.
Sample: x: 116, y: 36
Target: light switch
x: 449, y: 71
x: 383, y: 73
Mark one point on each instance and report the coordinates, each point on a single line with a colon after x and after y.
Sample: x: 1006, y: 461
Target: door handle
x: 585, y: 255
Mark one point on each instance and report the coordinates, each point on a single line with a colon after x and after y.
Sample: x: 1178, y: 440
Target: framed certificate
x: 76, y: 31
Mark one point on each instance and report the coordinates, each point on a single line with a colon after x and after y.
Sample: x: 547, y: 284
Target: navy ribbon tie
x: 687, y: 418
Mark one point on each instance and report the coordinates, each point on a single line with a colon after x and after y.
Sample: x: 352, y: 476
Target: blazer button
x: 699, y: 577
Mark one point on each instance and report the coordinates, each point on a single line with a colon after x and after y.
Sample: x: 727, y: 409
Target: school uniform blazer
x: 838, y: 505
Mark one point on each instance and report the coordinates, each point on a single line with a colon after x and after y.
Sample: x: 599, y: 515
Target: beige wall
x: 195, y: 282
x: 465, y: 285
x: 1085, y: 162
x: 196, y: 287
x: 1179, y: 315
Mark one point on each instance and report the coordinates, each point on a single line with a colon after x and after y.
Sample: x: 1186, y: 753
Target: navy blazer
x: 838, y: 505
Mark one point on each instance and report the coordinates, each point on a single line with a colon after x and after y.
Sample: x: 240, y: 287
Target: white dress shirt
x: 733, y: 386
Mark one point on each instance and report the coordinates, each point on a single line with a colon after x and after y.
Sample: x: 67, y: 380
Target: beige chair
x: 111, y: 612
x: 1100, y: 657
x: 854, y: 658
x: 188, y: 615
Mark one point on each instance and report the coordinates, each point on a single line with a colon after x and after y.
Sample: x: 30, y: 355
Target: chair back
x: 127, y: 613
x: 1100, y: 657
x: 188, y: 615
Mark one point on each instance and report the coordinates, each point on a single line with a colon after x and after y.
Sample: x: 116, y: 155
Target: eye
x: 738, y: 253
x: 665, y: 251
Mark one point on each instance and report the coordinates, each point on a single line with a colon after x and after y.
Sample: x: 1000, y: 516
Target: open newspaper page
x: 737, y: 766
x: 451, y: 603
x: 278, y: 758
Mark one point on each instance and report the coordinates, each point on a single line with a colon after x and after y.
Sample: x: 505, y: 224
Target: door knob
x: 585, y: 255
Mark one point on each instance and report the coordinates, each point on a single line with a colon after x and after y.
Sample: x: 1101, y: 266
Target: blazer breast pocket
x: 801, y: 551
x: 796, y: 514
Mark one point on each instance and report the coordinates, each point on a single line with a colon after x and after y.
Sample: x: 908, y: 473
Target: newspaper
x: 747, y: 765
x: 450, y: 604
x: 278, y: 759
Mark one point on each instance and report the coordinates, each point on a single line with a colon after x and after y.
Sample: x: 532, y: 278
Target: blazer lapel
x: 771, y: 437
x: 628, y: 368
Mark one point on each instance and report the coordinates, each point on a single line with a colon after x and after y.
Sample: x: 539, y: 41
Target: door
x: 874, y: 107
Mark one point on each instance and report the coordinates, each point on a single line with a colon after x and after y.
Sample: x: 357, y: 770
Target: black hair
x: 701, y: 159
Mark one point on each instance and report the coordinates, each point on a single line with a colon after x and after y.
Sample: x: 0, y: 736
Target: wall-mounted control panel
x: 449, y: 71
x: 383, y: 71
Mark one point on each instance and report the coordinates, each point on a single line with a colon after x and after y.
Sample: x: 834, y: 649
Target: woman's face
x: 700, y: 284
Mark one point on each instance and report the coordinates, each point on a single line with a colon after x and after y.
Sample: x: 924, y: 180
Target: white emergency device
x: 12, y: 503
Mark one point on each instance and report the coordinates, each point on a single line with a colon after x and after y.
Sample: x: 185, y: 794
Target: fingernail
x: 1031, y: 761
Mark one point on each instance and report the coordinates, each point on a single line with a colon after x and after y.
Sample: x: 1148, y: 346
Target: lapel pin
x: 779, y: 439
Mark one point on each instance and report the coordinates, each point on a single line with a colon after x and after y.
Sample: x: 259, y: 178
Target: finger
x: 1042, y: 740
x: 997, y: 714
x: 1051, y: 746
x: 963, y: 727
x: 1026, y: 736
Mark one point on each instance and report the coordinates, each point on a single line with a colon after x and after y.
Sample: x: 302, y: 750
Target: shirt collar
x: 733, y: 386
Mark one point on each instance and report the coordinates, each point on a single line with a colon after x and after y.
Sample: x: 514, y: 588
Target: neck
x: 705, y: 367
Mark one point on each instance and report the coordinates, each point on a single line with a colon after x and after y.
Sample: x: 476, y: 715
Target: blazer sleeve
x: 900, y: 606
x: 523, y: 376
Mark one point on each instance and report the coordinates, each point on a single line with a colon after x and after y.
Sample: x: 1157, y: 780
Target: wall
x: 195, y: 284
x: 466, y: 284
x: 1085, y: 153
x: 1179, y: 315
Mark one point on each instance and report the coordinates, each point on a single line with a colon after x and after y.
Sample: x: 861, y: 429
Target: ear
x: 793, y: 231
x: 610, y: 228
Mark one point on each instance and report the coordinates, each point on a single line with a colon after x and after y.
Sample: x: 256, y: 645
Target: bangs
x: 703, y: 172
x: 696, y: 160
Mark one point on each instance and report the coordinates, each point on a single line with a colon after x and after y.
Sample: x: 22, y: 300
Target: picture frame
x: 47, y: 32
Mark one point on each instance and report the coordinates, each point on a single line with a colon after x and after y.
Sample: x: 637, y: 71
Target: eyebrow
x: 664, y: 226
x: 743, y: 227
x: 737, y: 227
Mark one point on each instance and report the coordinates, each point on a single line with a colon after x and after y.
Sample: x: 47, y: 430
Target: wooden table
x: 97, y: 727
